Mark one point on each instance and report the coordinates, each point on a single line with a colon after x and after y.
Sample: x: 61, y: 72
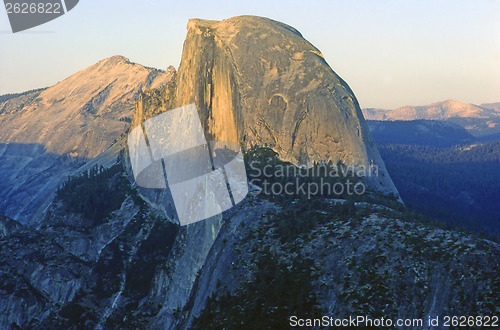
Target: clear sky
x: 391, y: 53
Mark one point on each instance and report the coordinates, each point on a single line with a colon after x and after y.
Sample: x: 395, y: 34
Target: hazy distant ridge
x: 482, y: 121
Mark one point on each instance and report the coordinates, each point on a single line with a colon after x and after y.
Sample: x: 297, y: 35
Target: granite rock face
x: 35, y: 274
x: 8, y: 226
x: 29, y: 175
x: 256, y: 81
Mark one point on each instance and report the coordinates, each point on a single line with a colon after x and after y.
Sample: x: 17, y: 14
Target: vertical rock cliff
x: 256, y: 81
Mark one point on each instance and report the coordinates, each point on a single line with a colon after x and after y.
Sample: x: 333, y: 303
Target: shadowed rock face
x: 482, y: 121
x: 256, y: 81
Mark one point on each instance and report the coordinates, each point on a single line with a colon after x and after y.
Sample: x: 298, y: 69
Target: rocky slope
x: 267, y: 260
x: 256, y: 81
x: 374, y: 262
x: 495, y: 106
x: 47, y: 134
x: 42, y: 270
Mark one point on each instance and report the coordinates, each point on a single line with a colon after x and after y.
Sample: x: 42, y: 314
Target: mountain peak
x: 194, y: 23
x: 451, y: 102
x: 258, y: 82
x: 115, y: 59
x: 242, y: 23
x: 83, y: 114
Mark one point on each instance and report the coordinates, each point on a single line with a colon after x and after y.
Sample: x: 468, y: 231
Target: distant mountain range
x: 435, y: 111
x: 483, y: 121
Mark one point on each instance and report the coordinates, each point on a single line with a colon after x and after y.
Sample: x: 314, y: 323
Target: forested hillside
x: 458, y: 185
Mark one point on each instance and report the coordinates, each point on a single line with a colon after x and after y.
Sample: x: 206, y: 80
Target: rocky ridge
x: 83, y: 114
x: 482, y: 121
x: 435, y: 111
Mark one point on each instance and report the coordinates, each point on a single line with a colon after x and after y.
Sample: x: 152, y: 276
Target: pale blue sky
x: 391, y: 53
